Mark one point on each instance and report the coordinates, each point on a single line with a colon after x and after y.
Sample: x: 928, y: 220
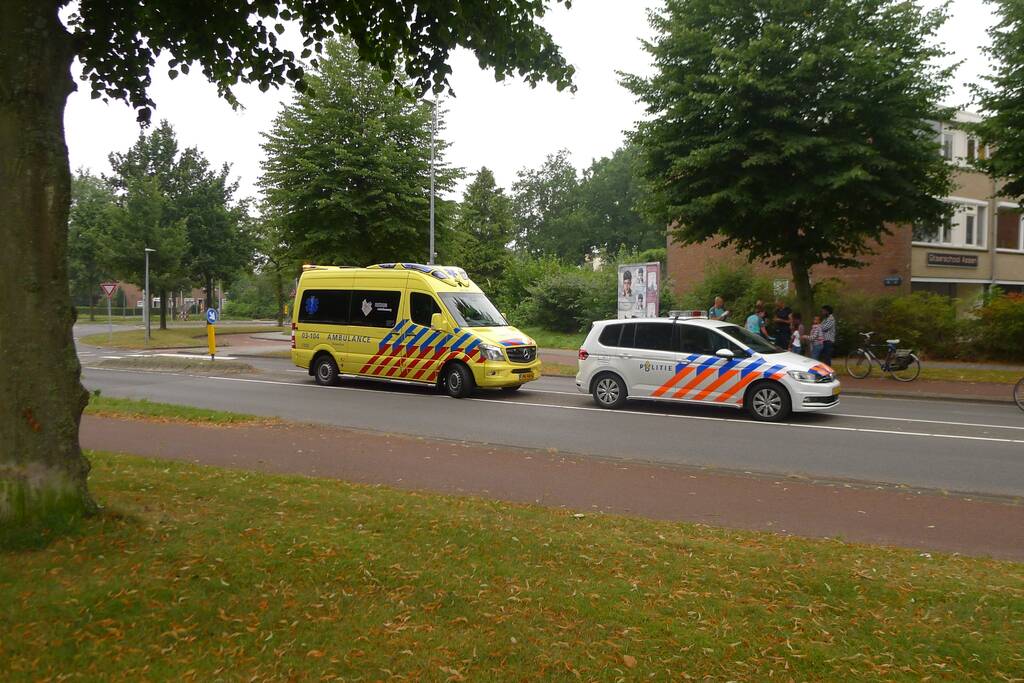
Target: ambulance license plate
x: 526, y: 376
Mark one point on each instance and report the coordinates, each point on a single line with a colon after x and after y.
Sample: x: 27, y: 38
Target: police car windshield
x: 472, y: 309
x: 745, y: 337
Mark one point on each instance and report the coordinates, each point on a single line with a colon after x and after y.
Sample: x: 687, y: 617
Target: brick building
x: 980, y: 245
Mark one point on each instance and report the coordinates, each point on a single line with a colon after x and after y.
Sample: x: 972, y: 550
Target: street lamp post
x: 433, y: 134
x: 145, y: 294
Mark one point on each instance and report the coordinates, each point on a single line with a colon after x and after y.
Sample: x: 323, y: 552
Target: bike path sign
x: 211, y: 316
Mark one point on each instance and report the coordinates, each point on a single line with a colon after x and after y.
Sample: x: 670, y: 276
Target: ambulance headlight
x: 801, y: 376
x: 490, y: 352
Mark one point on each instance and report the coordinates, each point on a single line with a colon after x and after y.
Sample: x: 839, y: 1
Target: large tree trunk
x: 42, y: 469
x: 804, y: 291
x: 210, y: 303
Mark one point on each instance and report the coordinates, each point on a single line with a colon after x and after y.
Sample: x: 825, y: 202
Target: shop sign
x: 952, y: 260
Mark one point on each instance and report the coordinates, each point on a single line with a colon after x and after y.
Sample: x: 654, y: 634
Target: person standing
x: 718, y: 312
x: 780, y: 324
x: 755, y: 322
x: 796, y: 337
x: 828, y: 334
x: 816, y: 338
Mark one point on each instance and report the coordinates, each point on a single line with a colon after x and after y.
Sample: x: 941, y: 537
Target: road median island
x: 193, y: 366
x: 191, y: 570
x: 180, y: 337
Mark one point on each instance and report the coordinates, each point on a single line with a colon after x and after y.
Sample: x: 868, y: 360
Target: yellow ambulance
x: 408, y: 322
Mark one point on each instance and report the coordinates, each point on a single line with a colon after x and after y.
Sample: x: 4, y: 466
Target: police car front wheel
x: 768, y: 402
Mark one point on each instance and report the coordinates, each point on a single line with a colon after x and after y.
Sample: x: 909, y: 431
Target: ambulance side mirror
x: 438, y: 322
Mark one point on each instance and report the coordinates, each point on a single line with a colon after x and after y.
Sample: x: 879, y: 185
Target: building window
x: 965, y: 227
x: 972, y: 145
x: 946, y: 142
x: 1009, y: 229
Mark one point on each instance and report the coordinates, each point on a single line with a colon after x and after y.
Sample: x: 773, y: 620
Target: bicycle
x: 901, y: 364
x: 1018, y: 393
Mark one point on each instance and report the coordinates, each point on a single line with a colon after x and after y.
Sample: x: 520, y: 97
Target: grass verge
x: 194, y: 572
x: 108, y: 406
x: 558, y: 369
x: 970, y: 375
x: 173, y: 337
x: 546, y: 339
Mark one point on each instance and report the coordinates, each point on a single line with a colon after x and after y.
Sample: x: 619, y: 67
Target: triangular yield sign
x: 109, y: 288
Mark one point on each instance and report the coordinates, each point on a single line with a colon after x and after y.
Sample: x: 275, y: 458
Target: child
x: 796, y: 334
x: 817, y: 338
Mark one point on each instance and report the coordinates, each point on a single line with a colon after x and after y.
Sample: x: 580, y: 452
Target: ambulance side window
x: 325, y: 306
x: 422, y: 307
x: 374, y: 308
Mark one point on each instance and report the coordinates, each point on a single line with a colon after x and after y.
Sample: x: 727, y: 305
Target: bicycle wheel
x: 909, y: 373
x: 1018, y: 394
x: 858, y: 365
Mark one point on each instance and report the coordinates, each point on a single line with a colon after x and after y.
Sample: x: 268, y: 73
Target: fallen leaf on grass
x: 629, y: 661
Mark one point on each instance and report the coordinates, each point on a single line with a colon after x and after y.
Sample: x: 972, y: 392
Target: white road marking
x: 707, y: 418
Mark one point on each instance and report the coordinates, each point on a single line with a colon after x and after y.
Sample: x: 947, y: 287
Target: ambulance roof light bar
x: 688, y: 315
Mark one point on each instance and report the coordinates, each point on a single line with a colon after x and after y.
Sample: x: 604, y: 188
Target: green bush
x: 998, y: 329
x: 738, y: 285
x: 568, y: 301
x: 923, y: 321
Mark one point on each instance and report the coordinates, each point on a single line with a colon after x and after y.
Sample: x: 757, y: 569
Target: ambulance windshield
x: 472, y: 310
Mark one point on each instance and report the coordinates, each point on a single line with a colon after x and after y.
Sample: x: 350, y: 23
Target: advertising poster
x: 638, y: 290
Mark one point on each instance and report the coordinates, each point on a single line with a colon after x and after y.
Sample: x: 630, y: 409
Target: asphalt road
x: 967, y: 448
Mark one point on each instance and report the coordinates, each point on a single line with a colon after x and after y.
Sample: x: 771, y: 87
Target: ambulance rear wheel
x: 458, y: 381
x: 325, y: 371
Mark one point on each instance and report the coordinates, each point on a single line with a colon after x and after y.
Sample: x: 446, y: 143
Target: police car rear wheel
x: 609, y: 391
x: 458, y: 380
x: 325, y: 371
x: 768, y: 402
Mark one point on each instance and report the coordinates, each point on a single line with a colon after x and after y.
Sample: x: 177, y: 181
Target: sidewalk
x: 876, y: 514
x: 883, y: 386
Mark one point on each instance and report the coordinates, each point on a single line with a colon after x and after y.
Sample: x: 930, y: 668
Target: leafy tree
x: 793, y: 131
x: 546, y: 203
x: 89, y: 237
x: 483, y: 230
x: 610, y: 195
x: 347, y: 172
x: 1002, y: 102
x: 117, y: 44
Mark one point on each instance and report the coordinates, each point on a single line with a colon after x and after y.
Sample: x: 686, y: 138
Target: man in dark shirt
x: 780, y: 325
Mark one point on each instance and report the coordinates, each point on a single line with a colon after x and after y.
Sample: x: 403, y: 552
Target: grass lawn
x: 195, y: 573
x: 558, y: 369
x: 970, y: 374
x: 173, y: 337
x: 546, y: 339
x: 110, y: 406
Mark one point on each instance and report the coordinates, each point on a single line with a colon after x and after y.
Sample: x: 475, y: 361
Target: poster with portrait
x: 637, y: 294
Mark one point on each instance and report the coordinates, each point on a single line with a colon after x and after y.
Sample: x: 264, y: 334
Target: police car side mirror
x: 438, y: 322
x: 724, y: 353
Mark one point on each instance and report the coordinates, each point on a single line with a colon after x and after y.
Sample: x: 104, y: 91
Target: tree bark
x: 42, y: 470
x: 209, y: 293
x: 804, y: 292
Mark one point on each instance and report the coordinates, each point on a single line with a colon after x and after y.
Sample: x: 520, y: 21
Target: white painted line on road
x: 937, y: 422
x: 707, y: 418
x: 199, y: 356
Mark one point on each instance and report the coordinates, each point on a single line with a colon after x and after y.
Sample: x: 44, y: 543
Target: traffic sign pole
x: 108, y: 289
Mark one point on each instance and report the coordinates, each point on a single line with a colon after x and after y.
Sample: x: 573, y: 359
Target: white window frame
x: 958, y: 227
x: 1020, y: 230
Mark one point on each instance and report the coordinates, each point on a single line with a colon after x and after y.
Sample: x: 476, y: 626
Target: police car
x: 691, y: 359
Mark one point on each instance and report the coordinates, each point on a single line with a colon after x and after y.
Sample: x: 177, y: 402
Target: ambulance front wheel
x: 458, y: 381
x: 325, y: 371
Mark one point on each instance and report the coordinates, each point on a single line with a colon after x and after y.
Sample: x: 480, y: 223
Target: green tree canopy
x: 1002, y: 100
x: 90, y: 243
x: 793, y: 131
x: 546, y: 201
x: 483, y: 230
x: 347, y: 173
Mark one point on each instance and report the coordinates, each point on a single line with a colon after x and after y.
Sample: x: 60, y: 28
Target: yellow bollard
x: 211, y: 339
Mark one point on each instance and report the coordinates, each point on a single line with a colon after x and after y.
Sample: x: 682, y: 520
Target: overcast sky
x: 504, y: 126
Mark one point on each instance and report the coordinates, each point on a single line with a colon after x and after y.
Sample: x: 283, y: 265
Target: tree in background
x: 1002, y: 102
x: 794, y: 131
x: 545, y: 203
x: 483, y: 230
x: 117, y: 44
x: 89, y: 237
x: 347, y: 171
x: 611, y: 193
